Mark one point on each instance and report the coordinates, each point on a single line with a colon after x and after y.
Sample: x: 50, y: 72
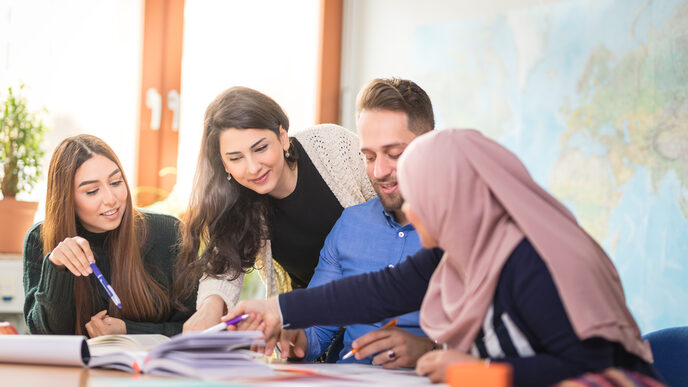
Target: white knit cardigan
x: 335, y: 153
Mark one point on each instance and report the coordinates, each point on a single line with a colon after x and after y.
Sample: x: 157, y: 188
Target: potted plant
x: 21, y: 150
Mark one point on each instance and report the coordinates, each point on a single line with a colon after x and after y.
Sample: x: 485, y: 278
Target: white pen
x: 223, y: 325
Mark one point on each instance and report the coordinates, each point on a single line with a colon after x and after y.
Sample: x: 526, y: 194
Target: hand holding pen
x: 271, y: 318
x: 225, y: 324
x: 392, y: 347
x: 245, y: 322
x: 74, y: 254
x: 356, y: 348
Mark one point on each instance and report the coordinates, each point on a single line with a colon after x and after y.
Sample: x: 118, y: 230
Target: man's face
x: 384, y: 134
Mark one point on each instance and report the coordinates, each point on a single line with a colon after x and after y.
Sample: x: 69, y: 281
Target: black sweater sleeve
x: 48, y: 297
x: 364, y: 298
x: 528, y: 293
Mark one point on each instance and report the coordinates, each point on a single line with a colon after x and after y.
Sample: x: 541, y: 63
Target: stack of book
x: 221, y: 355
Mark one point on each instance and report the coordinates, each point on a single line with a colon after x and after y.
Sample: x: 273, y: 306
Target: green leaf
x: 21, y: 145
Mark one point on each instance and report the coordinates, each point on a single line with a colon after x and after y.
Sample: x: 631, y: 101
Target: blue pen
x: 106, y: 285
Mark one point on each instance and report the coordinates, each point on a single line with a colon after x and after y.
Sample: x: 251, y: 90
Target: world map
x: 593, y: 97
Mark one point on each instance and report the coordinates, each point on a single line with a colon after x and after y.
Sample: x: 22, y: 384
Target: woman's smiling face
x: 100, y: 194
x: 255, y: 158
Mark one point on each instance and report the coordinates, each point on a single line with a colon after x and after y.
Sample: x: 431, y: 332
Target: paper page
x: 195, y: 341
x: 162, y: 382
x: 44, y: 349
x: 208, y: 371
x: 237, y: 354
x: 124, y: 361
x: 209, y: 356
x: 358, y: 373
x: 122, y: 343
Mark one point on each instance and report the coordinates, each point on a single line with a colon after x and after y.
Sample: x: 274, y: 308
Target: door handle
x: 154, y: 103
x: 173, y: 104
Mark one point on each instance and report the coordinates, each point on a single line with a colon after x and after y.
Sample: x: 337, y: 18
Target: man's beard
x: 391, y: 202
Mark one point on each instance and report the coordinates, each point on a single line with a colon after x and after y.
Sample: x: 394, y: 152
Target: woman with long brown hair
x: 90, y: 218
x: 259, y: 193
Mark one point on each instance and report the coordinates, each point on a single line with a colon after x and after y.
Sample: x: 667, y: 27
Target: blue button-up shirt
x: 365, y: 238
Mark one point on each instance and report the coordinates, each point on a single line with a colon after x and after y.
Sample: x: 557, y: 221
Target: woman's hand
x: 271, y: 319
x: 207, y: 315
x: 293, y: 343
x: 102, y: 324
x: 395, y: 347
x: 254, y: 322
x: 74, y: 254
x: 434, y: 364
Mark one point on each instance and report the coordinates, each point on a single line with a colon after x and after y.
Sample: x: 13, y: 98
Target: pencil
x: 391, y: 323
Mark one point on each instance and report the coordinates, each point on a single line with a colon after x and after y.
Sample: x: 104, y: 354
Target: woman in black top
x: 260, y: 194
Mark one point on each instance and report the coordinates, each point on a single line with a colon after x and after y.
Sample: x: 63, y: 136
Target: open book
x: 218, y: 355
x: 123, y: 352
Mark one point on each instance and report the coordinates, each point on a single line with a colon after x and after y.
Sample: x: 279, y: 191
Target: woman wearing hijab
x: 520, y: 282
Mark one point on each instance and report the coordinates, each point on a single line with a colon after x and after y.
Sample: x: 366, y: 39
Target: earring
x: 286, y: 154
x: 229, y: 177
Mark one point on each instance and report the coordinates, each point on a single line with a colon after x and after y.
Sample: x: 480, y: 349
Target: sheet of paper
x: 356, y: 374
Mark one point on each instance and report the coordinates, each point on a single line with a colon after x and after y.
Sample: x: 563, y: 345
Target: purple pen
x: 223, y: 325
x: 106, y: 285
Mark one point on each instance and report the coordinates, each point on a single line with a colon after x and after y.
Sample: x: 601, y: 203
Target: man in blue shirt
x: 374, y: 235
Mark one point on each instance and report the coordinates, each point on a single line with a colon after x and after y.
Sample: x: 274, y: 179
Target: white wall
x: 79, y: 59
x: 378, y: 37
x: 579, y: 90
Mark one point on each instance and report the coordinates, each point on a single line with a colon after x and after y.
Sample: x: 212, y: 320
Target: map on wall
x: 593, y: 97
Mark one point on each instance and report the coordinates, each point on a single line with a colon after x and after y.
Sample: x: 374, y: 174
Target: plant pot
x: 16, y: 217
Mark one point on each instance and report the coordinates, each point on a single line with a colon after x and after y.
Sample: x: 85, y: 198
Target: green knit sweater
x: 49, y: 301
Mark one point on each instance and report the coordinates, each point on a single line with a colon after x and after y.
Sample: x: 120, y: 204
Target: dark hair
x: 144, y: 299
x: 398, y: 95
x: 225, y: 218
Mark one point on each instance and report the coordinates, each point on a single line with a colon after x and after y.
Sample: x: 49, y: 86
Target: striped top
x: 526, y: 326
x: 500, y: 337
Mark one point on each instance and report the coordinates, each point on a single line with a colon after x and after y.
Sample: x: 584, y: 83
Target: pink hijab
x: 478, y: 201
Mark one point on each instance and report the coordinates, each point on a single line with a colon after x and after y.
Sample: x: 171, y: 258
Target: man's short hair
x: 398, y: 95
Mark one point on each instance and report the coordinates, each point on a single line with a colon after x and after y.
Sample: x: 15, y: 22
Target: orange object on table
x: 479, y: 374
x: 6, y: 328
